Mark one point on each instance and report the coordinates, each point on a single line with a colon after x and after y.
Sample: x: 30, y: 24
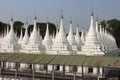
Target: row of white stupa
x: 95, y: 42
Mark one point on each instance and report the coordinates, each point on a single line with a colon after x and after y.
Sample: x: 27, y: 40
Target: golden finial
x: 96, y: 18
x: 62, y: 15
x: 35, y: 18
x: 92, y: 13
x: 77, y: 25
x: 11, y: 18
x: 71, y: 21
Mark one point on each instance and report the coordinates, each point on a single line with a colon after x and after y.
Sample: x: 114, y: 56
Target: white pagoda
x: 92, y: 45
x: 97, y: 41
x: 25, y: 39
x: 34, y: 44
x: 78, y: 38
x: 9, y: 42
x: 71, y: 39
x: 60, y: 44
x: 47, y: 42
x: 83, y: 36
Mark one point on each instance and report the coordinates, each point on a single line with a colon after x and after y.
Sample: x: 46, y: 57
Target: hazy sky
x: 78, y: 10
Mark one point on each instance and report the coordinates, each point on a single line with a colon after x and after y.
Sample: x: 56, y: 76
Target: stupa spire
x: 77, y: 29
x: 92, y: 31
x: 71, y: 26
x: 92, y: 44
x: 61, y: 32
x: 77, y: 36
x: 82, y: 36
x: 97, y: 25
x: 47, y: 40
x: 56, y: 32
x: 35, y: 26
x: 11, y: 25
x: 47, y: 29
x: 11, y: 34
x: 70, y: 37
x: 7, y: 28
x: 26, y: 37
x: 100, y: 29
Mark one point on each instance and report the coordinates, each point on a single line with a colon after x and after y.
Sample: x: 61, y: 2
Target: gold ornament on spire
x: 11, y: 18
x: 92, y: 13
x: 35, y: 18
x: 62, y: 15
x: 77, y: 25
x: 96, y: 18
x: 71, y: 20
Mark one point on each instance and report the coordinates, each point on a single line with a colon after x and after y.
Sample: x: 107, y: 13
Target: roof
x: 102, y: 61
x: 78, y: 60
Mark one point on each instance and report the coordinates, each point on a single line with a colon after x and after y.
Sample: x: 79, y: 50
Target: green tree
x: 3, y: 27
x: 18, y: 25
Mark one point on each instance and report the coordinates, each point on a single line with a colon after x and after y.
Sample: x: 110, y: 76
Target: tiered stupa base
x: 37, y: 49
x: 9, y: 48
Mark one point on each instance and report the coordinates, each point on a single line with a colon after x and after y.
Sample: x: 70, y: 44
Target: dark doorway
x: 57, y: 67
x: 90, y: 70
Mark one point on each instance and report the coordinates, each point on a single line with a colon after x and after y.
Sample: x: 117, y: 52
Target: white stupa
x: 25, y: 39
x: 56, y: 34
x: 99, y: 36
x: 9, y: 42
x: 34, y: 35
x: 112, y: 48
x: 26, y: 36
x: 96, y: 41
x: 78, y: 38
x: 53, y: 37
x: 103, y: 40
x: 92, y: 45
x: 71, y: 39
x: 35, y: 44
x: 47, y: 42
x: 82, y: 36
x: 61, y: 45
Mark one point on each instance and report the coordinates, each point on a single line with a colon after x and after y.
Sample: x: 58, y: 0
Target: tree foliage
x: 2, y: 27
x: 18, y: 25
